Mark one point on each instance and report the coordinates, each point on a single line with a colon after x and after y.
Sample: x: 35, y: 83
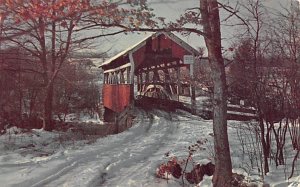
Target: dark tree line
x: 76, y: 90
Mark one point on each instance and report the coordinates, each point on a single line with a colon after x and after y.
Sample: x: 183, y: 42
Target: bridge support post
x: 193, y: 97
x: 116, y: 124
x: 192, y: 89
x: 138, y: 83
x: 178, y: 83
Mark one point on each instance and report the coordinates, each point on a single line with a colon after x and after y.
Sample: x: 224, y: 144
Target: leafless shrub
x: 248, y: 137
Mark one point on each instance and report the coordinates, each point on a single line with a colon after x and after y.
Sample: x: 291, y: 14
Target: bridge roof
x: 124, y: 54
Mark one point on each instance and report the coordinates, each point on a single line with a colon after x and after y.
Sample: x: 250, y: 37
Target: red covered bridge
x: 155, y: 68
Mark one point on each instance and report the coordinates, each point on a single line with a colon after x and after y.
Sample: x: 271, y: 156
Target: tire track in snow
x: 73, y: 159
x: 143, y: 169
x: 102, y: 161
x: 141, y: 162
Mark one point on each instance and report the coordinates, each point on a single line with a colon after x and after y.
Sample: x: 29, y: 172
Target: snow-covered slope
x: 127, y: 159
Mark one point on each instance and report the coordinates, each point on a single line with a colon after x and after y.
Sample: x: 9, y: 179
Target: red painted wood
x: 178, y: 51
x: 166, y: 43
x: 139, y: 56
x: 117, y: 97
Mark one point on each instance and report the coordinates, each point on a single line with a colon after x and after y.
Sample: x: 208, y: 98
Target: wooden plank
x: 117, y: 97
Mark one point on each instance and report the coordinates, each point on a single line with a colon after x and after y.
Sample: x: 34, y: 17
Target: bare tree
x: 256, y: 32
x: 50, y: 30
x: 211, y: 26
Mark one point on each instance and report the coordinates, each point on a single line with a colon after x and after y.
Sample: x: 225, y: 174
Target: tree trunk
x: 48, y: 122
x: 264, y: 146
x: 294, y: 161
x: 223, y: 170
x: 211, y: 26
x: 48, y: 105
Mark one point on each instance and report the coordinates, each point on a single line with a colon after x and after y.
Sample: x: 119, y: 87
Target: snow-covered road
x: 126, y: 159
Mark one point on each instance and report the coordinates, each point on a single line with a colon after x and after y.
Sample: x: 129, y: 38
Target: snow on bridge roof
x: 140, y: 44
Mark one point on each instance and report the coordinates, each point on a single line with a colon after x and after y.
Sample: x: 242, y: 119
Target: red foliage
x: 195, y: 176
x: 172, y: 167
x: 177, y: 168
x: 197, y: 173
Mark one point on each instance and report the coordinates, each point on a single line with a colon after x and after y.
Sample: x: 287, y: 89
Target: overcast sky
x: 172, y: 9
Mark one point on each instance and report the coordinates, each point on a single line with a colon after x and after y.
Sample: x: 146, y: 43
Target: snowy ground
x: 128, y: 159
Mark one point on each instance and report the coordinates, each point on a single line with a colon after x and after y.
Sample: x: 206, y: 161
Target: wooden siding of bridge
x: 117, y: 97
x: 158, y: 46
x: 162, y: 43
